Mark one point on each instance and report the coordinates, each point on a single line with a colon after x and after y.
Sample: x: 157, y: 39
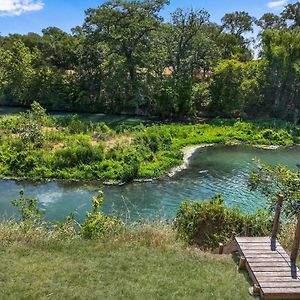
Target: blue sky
x: 22, y: 16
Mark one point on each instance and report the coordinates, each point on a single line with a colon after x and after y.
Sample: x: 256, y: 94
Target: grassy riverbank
x: 37, y: 146
x: 103, y: 258
x: 147, y: 262
x: 144, y: 263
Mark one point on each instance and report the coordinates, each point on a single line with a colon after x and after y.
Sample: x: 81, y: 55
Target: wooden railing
x: 296, y: 242
x: 277, y: 217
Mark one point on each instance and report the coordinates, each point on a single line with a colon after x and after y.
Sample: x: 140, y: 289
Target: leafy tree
x: 281, y: 50
x: 272, y: 182
x: 270, y: 21
x: 180, y: 41
x: 16, y: 73
x: 291, y: 13
x: 225, y: 88
x: 125, y: 28
x: 126, y: 59
x: 59, y: 48
x: 238, y: 23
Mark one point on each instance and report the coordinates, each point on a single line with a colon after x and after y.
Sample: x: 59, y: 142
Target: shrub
x: 208, y: 223
x: 84, y: 153
x: 74, y: 124
x: 96, y: 223
x: 29, y: 125
x: 28, y: 208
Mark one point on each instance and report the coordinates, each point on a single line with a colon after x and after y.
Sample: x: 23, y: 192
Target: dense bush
x: 207, y: 223
x: 83, y: 153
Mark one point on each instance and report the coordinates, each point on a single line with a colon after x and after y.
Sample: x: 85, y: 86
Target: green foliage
x: 126, y: 59
x: 96, y: 223
x: 83, y: 153
x: 280, y: 49
x: 238, y: 23
x: 29, y: 125
x: 28, y: 208
x: 272, y: 182
x: 36, y: 146
x: 207, y: 223
x: 74, y: 124
x: 237, y: 88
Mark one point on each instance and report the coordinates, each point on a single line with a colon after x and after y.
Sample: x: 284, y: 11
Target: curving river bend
x: 219, y: 169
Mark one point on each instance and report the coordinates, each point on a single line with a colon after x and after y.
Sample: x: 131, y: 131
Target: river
x: 218, y: 169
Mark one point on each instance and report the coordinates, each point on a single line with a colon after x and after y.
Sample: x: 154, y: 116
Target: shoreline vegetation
x: 175, y: 260
x: 37, y: 147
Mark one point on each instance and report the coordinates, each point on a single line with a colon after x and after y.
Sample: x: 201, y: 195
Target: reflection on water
x: 220, y: 169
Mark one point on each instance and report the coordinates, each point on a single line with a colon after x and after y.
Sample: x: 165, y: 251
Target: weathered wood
x: 277, y: 217
x: 253, y: 239
x: 257, y: 253
x: 242, y: 263
x: 296, y: 242
x: 276, y: 279
x: 284, y: 284
x: 221, y: 248
x: 270, y: 268
x: 274, y: 264
x: 261, y: 247
x: 260, y: 274
x: 267, y: 255
x: 271, y: 259
x: 264, y: 258
x: 278, y: 269
x: 264, y: 250
x: 282, y: 291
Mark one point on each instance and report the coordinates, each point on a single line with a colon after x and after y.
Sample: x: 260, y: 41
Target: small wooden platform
x: 270, y: 267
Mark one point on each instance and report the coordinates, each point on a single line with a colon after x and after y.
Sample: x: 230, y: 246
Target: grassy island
x: 37, y: 146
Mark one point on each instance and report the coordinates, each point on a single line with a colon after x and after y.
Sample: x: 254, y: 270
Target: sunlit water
x: 220, y: 169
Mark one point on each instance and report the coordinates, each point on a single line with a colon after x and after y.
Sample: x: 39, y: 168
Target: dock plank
x: 270, y: 267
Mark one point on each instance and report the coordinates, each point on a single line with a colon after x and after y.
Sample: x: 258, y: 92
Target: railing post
x: 296, y: 242
x: 277, y: 217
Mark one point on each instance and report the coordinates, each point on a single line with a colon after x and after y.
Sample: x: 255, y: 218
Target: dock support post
x: 296, y: 242
x: 242, y: 263
x: 277, y: 217
x: 221, y: 248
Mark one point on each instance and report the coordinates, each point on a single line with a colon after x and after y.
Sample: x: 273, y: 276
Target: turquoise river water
x: 218, y: 169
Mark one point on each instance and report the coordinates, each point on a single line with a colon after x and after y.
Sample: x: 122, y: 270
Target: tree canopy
x: 125, y: 58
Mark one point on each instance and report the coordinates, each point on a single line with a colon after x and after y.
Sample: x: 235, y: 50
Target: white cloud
x: 18, y: 7
x: 276, y: 4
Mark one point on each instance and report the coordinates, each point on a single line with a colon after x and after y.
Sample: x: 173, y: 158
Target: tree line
x: 126, y: 59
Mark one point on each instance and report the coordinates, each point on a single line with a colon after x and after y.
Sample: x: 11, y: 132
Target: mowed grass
x: 137, y: 264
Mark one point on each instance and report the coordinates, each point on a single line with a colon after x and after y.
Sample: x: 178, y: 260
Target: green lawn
x: 143, y: 264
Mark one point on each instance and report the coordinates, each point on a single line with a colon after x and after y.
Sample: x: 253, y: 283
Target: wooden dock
x: 273, y: 273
